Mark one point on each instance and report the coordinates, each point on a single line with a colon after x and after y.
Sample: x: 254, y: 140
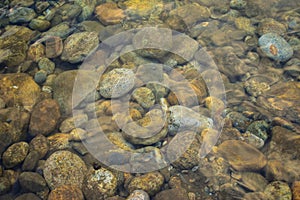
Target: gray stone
x: 275, y: 47
x: 117, y: 83
x: 182, y: 118
x: 32, y: 182
x: 21, y: 15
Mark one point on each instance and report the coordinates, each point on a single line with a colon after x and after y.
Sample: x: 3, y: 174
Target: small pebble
x: 40, y: 76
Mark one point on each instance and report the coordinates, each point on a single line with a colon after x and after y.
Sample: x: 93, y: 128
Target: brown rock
x: 296, y: 190
x: 40, y: 144
x: 15, y: 154
x: 242, y: 156
x: 32, y: 181
x: 172, y: 194
x: 28, y: 196
x: 19, y: 89
x: 66, y: 192
x: 109, y: 13
x: 44, y: 117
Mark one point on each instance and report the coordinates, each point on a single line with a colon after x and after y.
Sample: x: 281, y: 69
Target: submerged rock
x: 66, y: 192
x: 109, y: 13
x: 275, y: 47
x: 21, y: 15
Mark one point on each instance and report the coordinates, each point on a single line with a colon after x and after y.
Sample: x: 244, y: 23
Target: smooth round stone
x: 150, y: 183
x: 32, y: 182
x: 31, y: 161
x: 78, y: 46
x: 270, y: 25
x: 182, y: 118
x: 117, y: 83
x: 138, y: 195
x: 238, y: 4
x: 40, y: 144
x: 28, y: 196
x: 144, y: 96
x: 39, y: 24
x: 279, y: 190
x: 15, y: 154
x: 109, y: 13
x: 40, y: 76
x: 47, y: 65
x: 174, y: 194
x: 259, y: 128
x: 88, y: 6
x: 275, y: 47
x: 21, y: 15
x: 63, y: 168
x: 242, y: 156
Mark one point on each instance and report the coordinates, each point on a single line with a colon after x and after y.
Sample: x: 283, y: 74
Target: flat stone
x: 242, y: 156
x: 15, y: 154
x: 44, y: 117
x: 109, y: 13
x: 19, y: 89
x: 78, y: 46
x: 172, y: 194
x: 21, y: 15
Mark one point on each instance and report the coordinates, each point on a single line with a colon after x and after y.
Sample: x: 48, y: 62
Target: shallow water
x: 154, y: 99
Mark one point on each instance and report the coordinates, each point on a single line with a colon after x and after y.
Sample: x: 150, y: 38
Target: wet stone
x: 150, y: 183
x: 137, y: 9
x: 6, y: 136
x: 100, y: 184
x: 25, y: 3
x: 32, y: 182
x: 270, y: 25
x: 144, y: 97
x: 275, y: 47
x: 296, y: 190
x: 47, y: 65
x: 28, y: 196
x: 256, y: 88
x: 39, y: 24
x: 62, y: 30
x: 192, y: 13
x: 87, y: 6
x: 15, y: 154
x: 153, y: 42
x: 40, y: 76
x: 117, y: 83
x: 242, y: 156
x: 279, y: 190
x: 109, y: 13
x: 182, y: 118
x: 44, y: 118
x: 40, y: 144
x: 138, y: 195
x: 53, y: 49
x: 78, y: 46
x: 64, y: 167
x: 21, y: 15
x: 71, y: 123
x: 5, y: 185
x: 31, y: 161
x: 174, y: 194
x: 59, y: 141
x: 66, y: 192
x: 238, y: 4
x: 257, y: 196
x: 259, y: 128
x: 36, y: 52
x: 239, y: 121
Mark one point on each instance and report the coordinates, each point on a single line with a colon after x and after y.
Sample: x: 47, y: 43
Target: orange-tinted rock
x: 242, y: 156
x: 19, y: 89
x: 296, y: 190
x: 109, y: 13
x: 44, y: 117
x: 66, y: 192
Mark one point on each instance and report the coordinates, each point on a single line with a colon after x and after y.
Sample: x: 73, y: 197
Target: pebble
x: 59, y: 141
x: 270, y: 25
x: 137, y: 9
x: 100, y: 184
x: 238, y: 4
x: 46, y: 64
x: 144, y: 97
x: 174, y: 194
x: 28, y: 196
x: 87, y: 6
x: 242, y: 156
x: 117, y: 83
x: 32, y: 182
x: 66, y: 192
x: 279, y: 190
x: 44, y: 117
x: 41, y: 6
x: 109, y: 13
x: 78, y: 45
x: 15, y: 154
x: 150, y: 183
x: 64, y: 167
x: 21, y: 15
x: 182, y: 118
x: 275, y: 47
x: 296, y: 190
x: 53, y: 48
x: 40, y: 76
x: 39, y: 24
x: 239, y: 121
x: 62, y: 30
x: 36, y: 51
x: 71, y: 123
x: 31, y: 161
x: 138, y: 195
x: 152, y: 42
x: 5, y: 185
x: 40, y: 144
x: 259, y: 128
